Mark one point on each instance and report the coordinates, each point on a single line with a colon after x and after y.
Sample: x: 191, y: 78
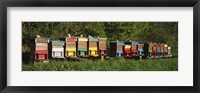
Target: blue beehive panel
x: 119, y: 51
x: 140, y: 48
x: 120, y: 43
x: 134, y: 43
x: 58, y: 43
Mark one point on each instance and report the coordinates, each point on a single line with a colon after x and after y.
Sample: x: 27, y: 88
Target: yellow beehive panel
x: 70, y: 49
x: 92, y: 48
x: 82, y: 39
x: 71, y: 53
x: 93, y: 53
x: 127, y: 46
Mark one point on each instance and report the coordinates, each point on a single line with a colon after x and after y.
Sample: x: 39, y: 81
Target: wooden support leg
x: 102, y: 58
x: 140, y: 57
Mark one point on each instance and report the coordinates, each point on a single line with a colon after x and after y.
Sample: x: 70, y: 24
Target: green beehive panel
x: 82, y: 53
x: 82, y: 49
x: 93, y: 39
x: 58, y: 43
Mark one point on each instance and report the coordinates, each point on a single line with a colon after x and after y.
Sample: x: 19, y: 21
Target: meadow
x: 115, y: 64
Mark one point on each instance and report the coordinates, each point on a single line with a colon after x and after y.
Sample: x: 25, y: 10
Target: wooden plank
x: 70, y: 46
x: 41, y: 48
x: 92, y: 48
x: 71, y: 53
x: 41, y: 40
x: 102, y: 48
x: 57, y: 46
x: 127, y: 46
x: 82, y: 39
x: 82, y: 49
x: 82, y: 46
x: 70, y: 49
x: 58, y: 54
x: 58, y: 43
x: 57, y: 49
x: 70, y: 43
x: 102, y: 42
x: 41, y: 51
x: 119, y: 48
x: 93, y: 39
x: 71, y: 39
x: 42, y: 44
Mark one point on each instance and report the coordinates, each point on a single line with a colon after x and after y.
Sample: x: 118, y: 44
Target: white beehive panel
x: 58, y: 54
x: 58, y: 49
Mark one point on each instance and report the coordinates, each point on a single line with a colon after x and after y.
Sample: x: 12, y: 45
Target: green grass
x: 108, y: 65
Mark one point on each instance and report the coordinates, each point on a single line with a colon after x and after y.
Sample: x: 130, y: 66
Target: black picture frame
x: 100, y: 3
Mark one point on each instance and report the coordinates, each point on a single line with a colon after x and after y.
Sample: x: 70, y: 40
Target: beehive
x: 41, y: 49
x: 127, y: 49
x: 169, y: 51
x: 162, y: 49
x: 102, y: 46
x: 116, y: 49
x: 92, y: 46
x: 158, y: 50
x: 140, y: 49
x: 82, y: 46
x: 165, y: 49
x: 150, y: 47
x: 58, y: 49
x: 70, y: 46
x: 134, y: 48
x: 155, y: 49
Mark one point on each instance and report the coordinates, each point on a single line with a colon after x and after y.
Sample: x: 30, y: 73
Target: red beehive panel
x: 41, y: 54
x: 71, y: 39
x: 102, y: 48
x: 127, y: 53
x: 134, y: 48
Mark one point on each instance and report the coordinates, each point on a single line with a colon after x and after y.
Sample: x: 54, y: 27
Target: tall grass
x: 108, y: 65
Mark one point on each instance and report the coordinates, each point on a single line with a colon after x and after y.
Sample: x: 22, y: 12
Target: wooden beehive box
x: 162, y: 48
x: 134, y: 48
x: 165, y: 49
x: 140, y: 49
x: 58, y: 49
x: 116, y: 48
x: 41, y: 49
x: 127, y: 49
x: 102, y: 46
x: 150, y: 49
x: 70, y: 49
x: 92, y: 46
x: 158, y: 48
x: 82, y: 46
x: 169, y: 51
x: 155, y: 49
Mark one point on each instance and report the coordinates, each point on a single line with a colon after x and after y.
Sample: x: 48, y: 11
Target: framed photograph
x: 99, y: 46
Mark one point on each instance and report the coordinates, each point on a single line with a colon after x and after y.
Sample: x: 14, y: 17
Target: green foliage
x: 108, y: 65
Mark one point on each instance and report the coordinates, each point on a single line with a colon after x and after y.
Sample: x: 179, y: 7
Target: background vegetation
x: 160, y: 32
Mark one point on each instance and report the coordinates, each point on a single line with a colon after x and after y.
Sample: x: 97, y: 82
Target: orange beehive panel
x: 70, y: 43
x: 41, y: 40
x: 41, y: 48
x: 119, y: 47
